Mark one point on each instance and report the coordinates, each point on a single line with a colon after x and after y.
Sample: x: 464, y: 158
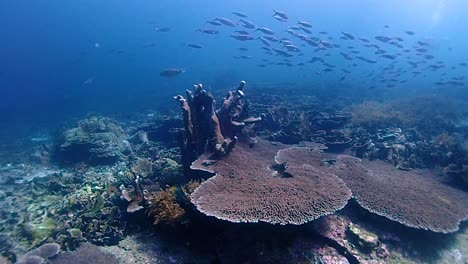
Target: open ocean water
x: 343, y: 137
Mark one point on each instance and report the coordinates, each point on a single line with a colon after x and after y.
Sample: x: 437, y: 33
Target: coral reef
x: 95, y: 140
x: 250, y: 187
x: 40, y: 254
x: 359, y: 245
x: 86, y: 253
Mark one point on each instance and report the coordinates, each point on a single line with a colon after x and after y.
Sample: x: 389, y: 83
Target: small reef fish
x: 247, y: 24
x: 306, y: 30
x: 89, y: 81
x: 214, y: 23
x: 239, y: 14
x: 266, y: 31
x: 207, y: 31
x: 166, y: 29
x: 280, y: 19
x: 241, y: 32
x: 196, y: 46
x: 171, y: 72
x: 280, y: 14
x: 242, y: 37
x: 226, y: 21
x: 411, y: 33
x: 264, y: 41
x: 348, y: 35
x: 304, y: 24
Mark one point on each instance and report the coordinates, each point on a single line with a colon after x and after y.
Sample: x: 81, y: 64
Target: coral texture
x: 406, y: 197
x: 247, y: 188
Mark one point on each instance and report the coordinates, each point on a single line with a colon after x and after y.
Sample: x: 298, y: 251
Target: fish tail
x: 275, y: 13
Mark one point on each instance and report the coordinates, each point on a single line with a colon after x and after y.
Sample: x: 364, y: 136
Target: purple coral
x: 406, y: 197
x: 247, y: 189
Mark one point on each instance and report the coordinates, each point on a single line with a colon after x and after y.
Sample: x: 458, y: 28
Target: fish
x: 304, y: 24
x: 247, y: 24
x: 166, y: 29
x: 315, y: 59
x: 242, y: 32
x: 226, y: 21
x: 243, y: 49
x: 389, y: 56
x: 280, y: 52
x: 266, y: 31
x: 383, y: 38
x: 207, y: 31
x: 364, y: 40
x: 171, y: 72
x: 290, y: 32
x: 214, y: 23
x: 292, y: 48
x: 89, y: 81
x: 366, y: 60
x: 280, y: 19
x: 421, y: 50
x: 346, y: 56
x: 348, y: 35
x: 323, y: 33
x: 266, y: 48
x: 149, y: 45
x: 411, y: 33
x: 239, y: 14
x: 306, y: 30
x: 280, y: 14
x: 272, y: 39
x: 295, y: 28
x: 264, y: 41
x: 311, y: 43
x: 261, y: 65
x: 245, y: 57
x: 195, y: 46
x: 243, y: 37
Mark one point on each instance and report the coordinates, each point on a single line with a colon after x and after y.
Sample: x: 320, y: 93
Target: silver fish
x: 280, y: 14
x: 196, y: 46
x: 226, y: 21
x: 171, y: 72
x: 207, y: 31
x: 243, y: 37
x: 247, y: 24
x: 266, y: 31
x: 239, y: 14
x: 305, y: 24
x: 306, y: 30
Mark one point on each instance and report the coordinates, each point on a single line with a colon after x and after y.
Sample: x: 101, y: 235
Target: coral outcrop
x: 95, y: 140
x: 207, y: 130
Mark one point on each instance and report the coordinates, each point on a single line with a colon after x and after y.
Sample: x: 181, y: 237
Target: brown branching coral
x: 207, y: 130
x: 164, y: 207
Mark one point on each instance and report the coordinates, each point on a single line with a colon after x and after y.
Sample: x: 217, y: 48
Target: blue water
x: 49, y: 49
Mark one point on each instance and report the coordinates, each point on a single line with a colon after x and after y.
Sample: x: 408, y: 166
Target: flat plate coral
x: 247, y: 188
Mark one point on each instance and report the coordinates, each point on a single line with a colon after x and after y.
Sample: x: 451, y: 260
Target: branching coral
x: 207, y: 130
x: 164, y: 207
